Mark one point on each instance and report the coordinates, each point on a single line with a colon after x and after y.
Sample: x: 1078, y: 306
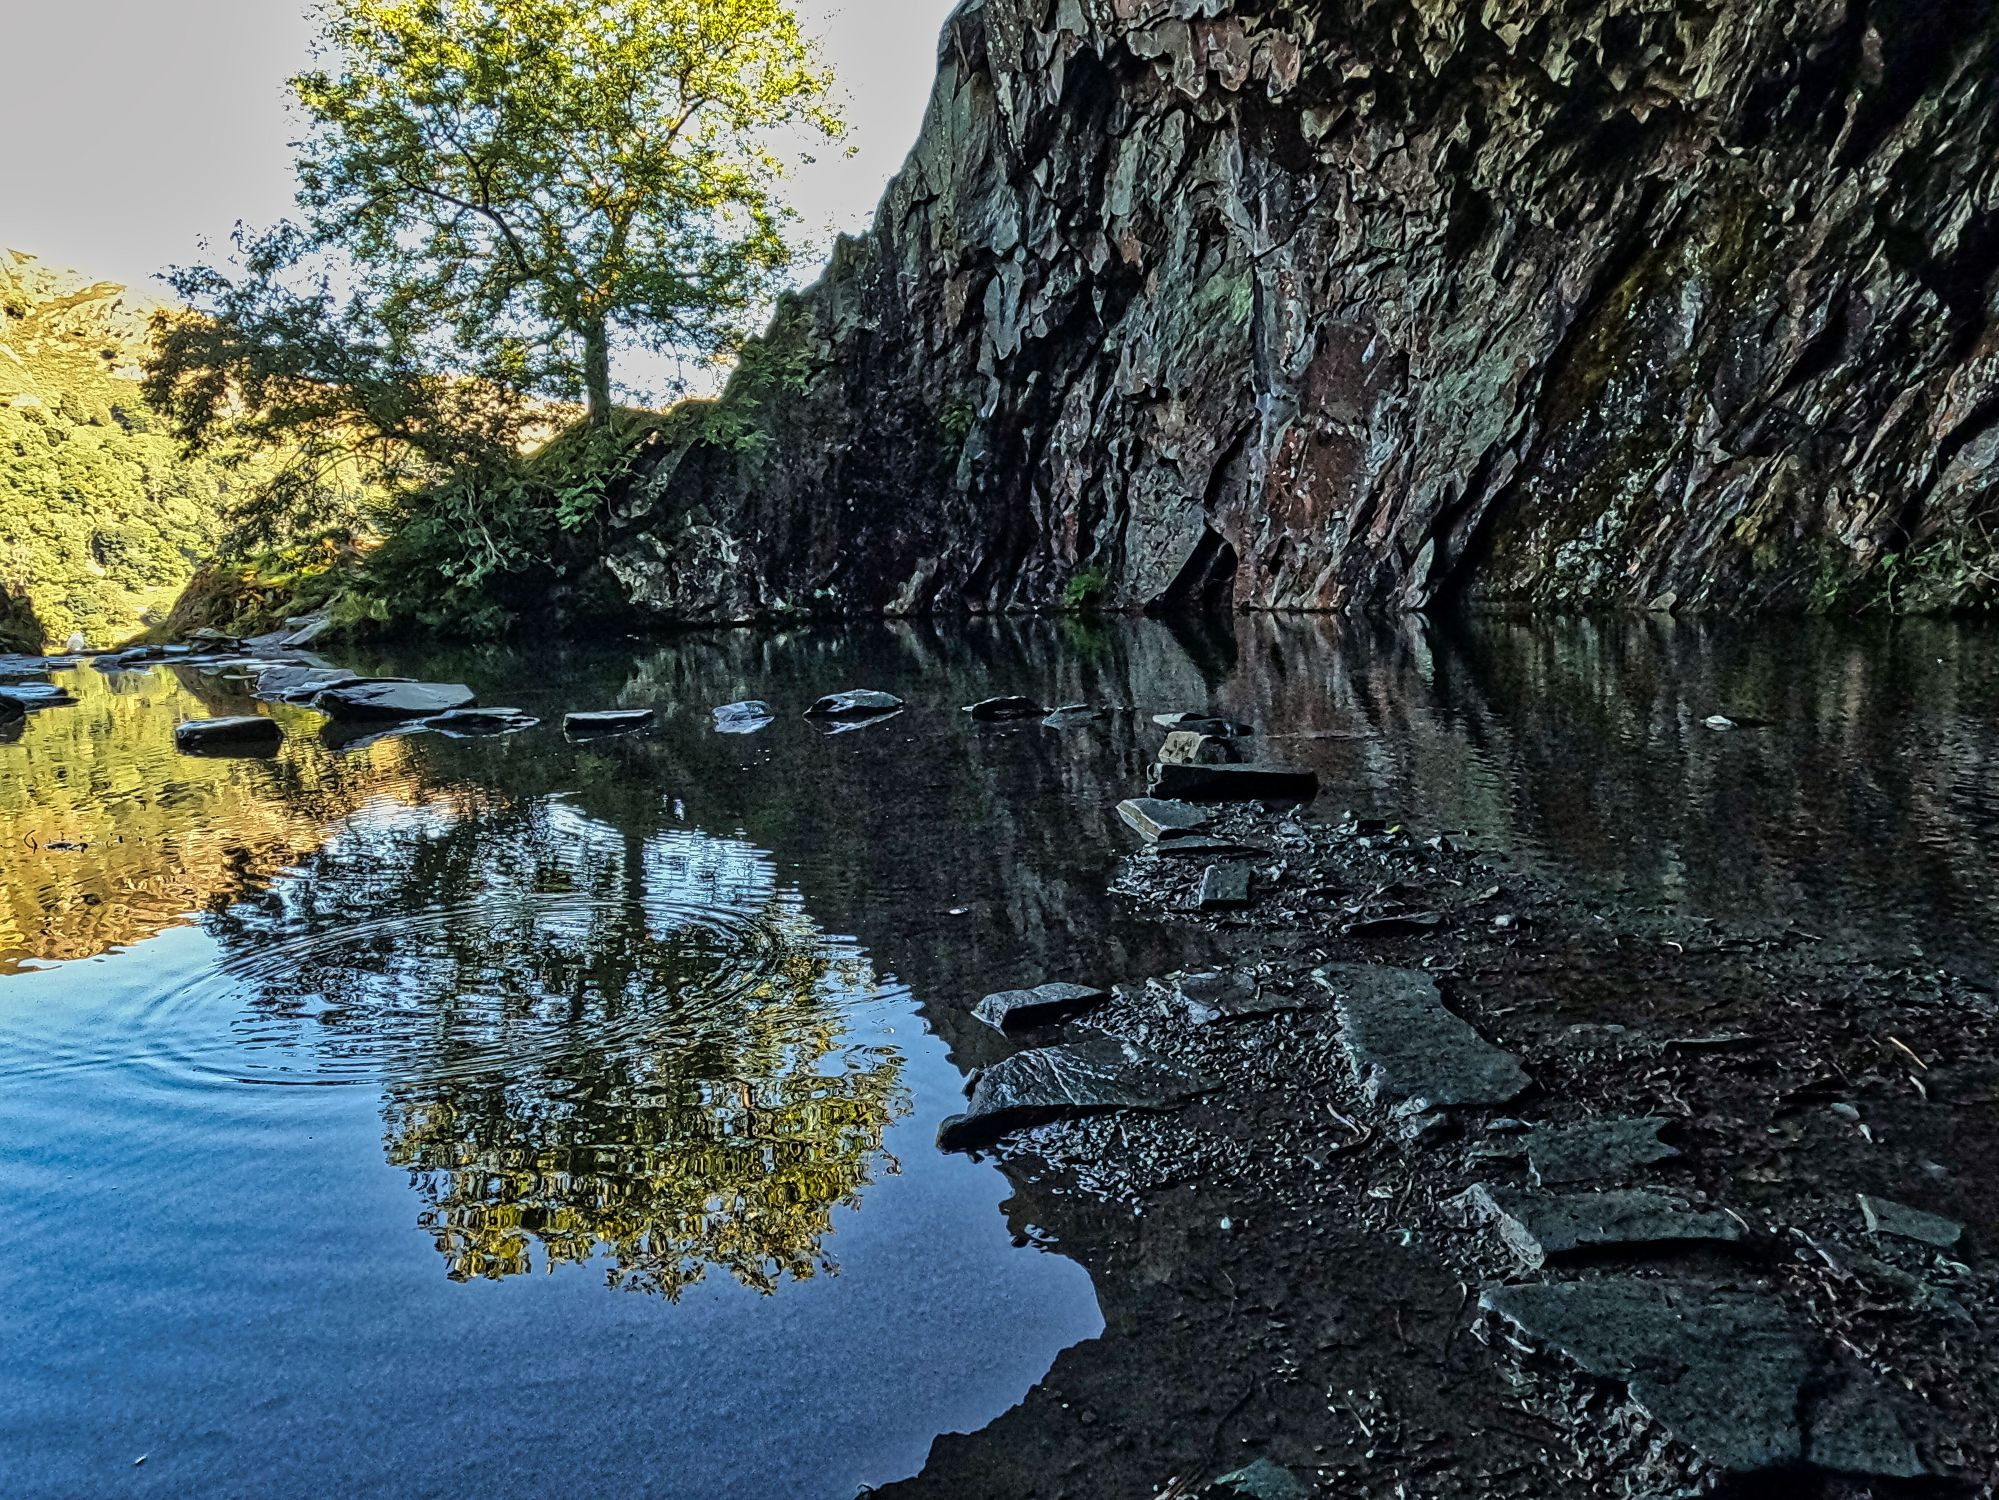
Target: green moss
x: 1086, y: 591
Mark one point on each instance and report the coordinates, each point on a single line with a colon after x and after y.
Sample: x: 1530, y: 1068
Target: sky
x: 137, y: 128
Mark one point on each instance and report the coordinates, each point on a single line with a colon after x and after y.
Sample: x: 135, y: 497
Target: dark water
x: 430, y: 1116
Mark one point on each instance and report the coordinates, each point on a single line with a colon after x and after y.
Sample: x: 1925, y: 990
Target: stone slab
x: 1057, y: 1083
x: 1405, y: 1046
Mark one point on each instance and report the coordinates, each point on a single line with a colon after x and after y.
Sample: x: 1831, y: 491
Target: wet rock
x: 1185, y: 748
x: 1886, y: 1216
x: 1003, y: 710
x: 1542, y: 1227
x: 1395, y: 925
x: 1595, y: 1150
x: 1224, y: 887
x: 1406, y: 1046
x: 1206, y: 996
x: 464, y: 723
x: 1158, y: 820
x: 30, y: 696
x: 1198, y: 846
x: 858, y: 703
x: 245, y: 734
x: 603, y: 722
x: 1264, y: 1480
x: 747, y: 717
x: 1206, y: 724
x: 1055, y: 1083
x: 1044, y: 1005
x: 1722, y: 1370
x: 392, y: 700
x: 1075, y: 716
x: 302, y: 684
x: 1250, y: 783
x: 12, y: 709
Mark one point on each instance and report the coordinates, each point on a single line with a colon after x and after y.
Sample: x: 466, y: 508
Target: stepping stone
x: 1074, y: 716
x: 1224, y: 887
x: 245, y: 734
x: 1722, y: 1370
x: 1233, y: 783
x: 1540, y: 1227
x: 393, y: 700
x: 1886, y: 1216
x: 1000, y: 710
x: 1158, y: 820
x: 743, y: 718
x: 590, y: 726
x: 1211, y: 724
x: 1185, y: 748
x: 1594, y: 1151
x: 1407, y: 1049
x: 1044, y: 1005
x: 860, y: 703
x: 1060, y: 1083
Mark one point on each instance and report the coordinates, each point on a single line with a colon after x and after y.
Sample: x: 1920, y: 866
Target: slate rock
x: 747, y: 717
x: 1185, y: 748
x: 858, y: 703
x: 1720, y: 1369
x: 1405, y: 1046
x: 301, y: 684
x: 246, y: 734
x: 392, y: 700
x: 1595, y: 1150
x: 1886, y: 1216
x: 1156, y: 819
x: 603, y: 722
x: 1044, y: 1005
x: 1057, y: 1083
x: 1002, y: 710
x: 1075, y: 716
x: 1206, y: 996
x: 465, y: 723
x: 1264, y: 1480
x: 1198, y: 846
x: 1541, y: 1227
x: 1396, y: 924
x: 1224, y: 887
x: 12, y: 709
x: 29, y: 696
x: 1243, y: 783
x: 1210, y: 724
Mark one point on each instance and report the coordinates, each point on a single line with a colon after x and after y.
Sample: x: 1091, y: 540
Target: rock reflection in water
x: 592, y: 1041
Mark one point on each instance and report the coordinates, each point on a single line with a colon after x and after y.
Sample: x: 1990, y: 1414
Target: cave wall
x: 1385, y: 304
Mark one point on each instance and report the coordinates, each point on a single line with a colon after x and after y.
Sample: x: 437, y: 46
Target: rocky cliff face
x: 1387, y: 303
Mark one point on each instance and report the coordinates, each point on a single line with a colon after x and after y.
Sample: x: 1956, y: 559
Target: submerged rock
x: 1001, y: 710
x: 598, y: 724
x: 1055, y: 1083
x: 1594, y: 1151
x: 1044, y: 1005
x: 392, y: 700
x: 1886, y: 1216
x: 1156, y: 819
x: 1407, y: 1048
x: 747, y: 717
x: 1722, y: 1370
x: 858, y: 703
x: 246, y: 734
x: 1233, y: 783
x: 1541, y: 1227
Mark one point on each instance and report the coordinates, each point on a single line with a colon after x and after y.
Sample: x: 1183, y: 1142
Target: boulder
x: 747, y: 717
x: 392, y: 700
x: 856, y: 703
x: 246, y: 734
x: 1002, y: 710
x: 591, y: 726
x: 1406, y: 1048
x: 1233, y: 783
x: 1044, y: 1005
x: 1057, y: 1083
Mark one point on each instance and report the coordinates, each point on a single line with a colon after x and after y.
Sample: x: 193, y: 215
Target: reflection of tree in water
x: 593, y: 1039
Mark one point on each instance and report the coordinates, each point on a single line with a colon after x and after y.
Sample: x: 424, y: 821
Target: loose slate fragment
x: 240, y: 735
x: 1074, y: 716
x: 1405, y: 1046
x: 1233, y: 783
x: 1394, y: 926
x: 1594, y: 1151
x: 1000, y: 710
x: 1208, y: 996
x: 1721, y: 1370
x: 1185, y: 748
x: 1886, y: 1216
x: 1540, y: 1227
x: 1264, y: 1480
x: 858, y: 703
x: 1044, y: 1005
x: 1057, y: 1083
x: 1204, y: 724
x: 608, y: 721
x: 747, y: 717
x: 1188, y: 846
x: 393, y: 700
x: 298, y: 684
x: 1224, y: 887
x: 1156, y: 819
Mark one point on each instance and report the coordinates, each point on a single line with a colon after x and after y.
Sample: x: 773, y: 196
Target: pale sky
x: 134, y: 128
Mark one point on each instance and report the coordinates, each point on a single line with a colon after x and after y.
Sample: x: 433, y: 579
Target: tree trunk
x: 597, y: 373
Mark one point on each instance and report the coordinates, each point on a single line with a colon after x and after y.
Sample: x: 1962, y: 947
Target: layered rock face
x: 1386, y: 303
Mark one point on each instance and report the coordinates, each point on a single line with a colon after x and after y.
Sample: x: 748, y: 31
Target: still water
x: 430, y: 1116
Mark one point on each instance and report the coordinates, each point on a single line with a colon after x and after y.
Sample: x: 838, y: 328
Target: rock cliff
x: 1386, y: 303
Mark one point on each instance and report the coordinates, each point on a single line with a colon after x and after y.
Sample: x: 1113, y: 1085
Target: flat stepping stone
x: 246, y: 734
x: 1212, y: 724
x: 1542, y: 1227
x: 1595, y: 1150
x: 1224, y: 887
x: 1044, y: 1005
x: 603, y: 722
x: 1060, y: 1083
x: 1233, y: 783
x: 393, y: 700
x: 1075, y: 716
x: 747, y: 717
x: 1886, y: 1216
x: 859, y: 703
x: 1002, y: 710
x: 1407, y: 1048
x: 1722, y: 1370
x: 1155, y: 819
